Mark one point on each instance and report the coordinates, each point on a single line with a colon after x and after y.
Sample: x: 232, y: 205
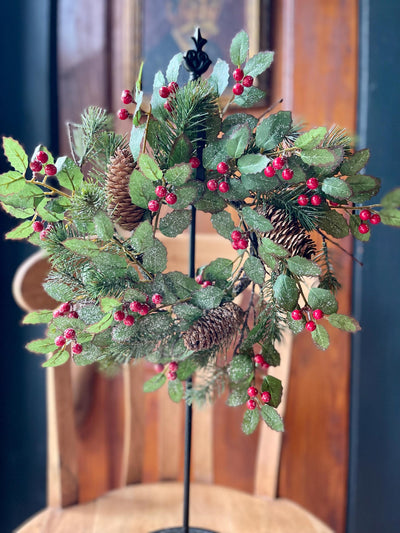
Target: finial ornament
x: 197, y: 61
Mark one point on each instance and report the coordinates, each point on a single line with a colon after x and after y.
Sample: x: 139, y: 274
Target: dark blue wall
x: 26, y: 113
x: 374, y: 497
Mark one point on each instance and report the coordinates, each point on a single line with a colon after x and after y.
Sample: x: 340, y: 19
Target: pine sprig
x: 211, y: 384
x: 328, y: 279
x: 338, y: 138
x: 287, y: 199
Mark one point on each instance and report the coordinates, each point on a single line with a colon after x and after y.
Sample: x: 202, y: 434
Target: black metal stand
x: 196, y: 62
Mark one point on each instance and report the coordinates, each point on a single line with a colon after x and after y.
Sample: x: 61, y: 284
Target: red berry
x: 44, y: 234
x: 173, y: 87
x: 161, y: 191
x: 212, y: 185
x: 57, y: 313
x: 238, y: 74
x: 236, y: 235
x: 310, y: 325
x: 333, y: 204
x: 259, y: 359
x: 123, y: 114
x: 222, y: 167
x: 171, y: 198
x: 265, y: 396
x: 297, y: 314
x: 251, y: 404
x: 242, y: 244
x: 69, y: 333
x: 144, y: 309
x: 235, y: 245
x: 42, y: 157
x: 312, y: 183
x: 252, y: 391
x: 316, y: 199
x: 168, y: 107
x: 194, y: 162
x: 129, y: 320
x: 65, y: 307
x: 38, y: 226
x: 238, y: 89
x: 287, y: 174
x: 163, y: 92
x: 173, y: 366
x: 119, y: 316
x: 269, y: 171
x: 375, y: 219
x: 265, y: 365
x: 158, y: 367
x: 278, y: 162
x: 153, y: 205
x: 206, y: 283
x: 73, y: 314
x: 50, y: 170
x: 363, y: 228
x: 317, y: 314
x: 199, y: 279
x: 248, y: 81
x: 77, y: 348
x: 365, y: 214
x: 223, y: 186
x: 171, y: 375
x: 60, y: 340
x: 126, y: 97
x: 135, y: 306
x: 35, y: 166
x: 302, y: 199
x: 157, y: 299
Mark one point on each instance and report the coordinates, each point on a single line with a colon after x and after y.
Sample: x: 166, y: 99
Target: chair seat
x: 148, y: 507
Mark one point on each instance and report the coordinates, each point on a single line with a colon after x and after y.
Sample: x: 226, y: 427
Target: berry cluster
x: 172, y: 369
x: 317, y: 314
x: 260, y: 361
x: 239, y: 241
x: 366, y: 215
x: 126, y: 98
x: 222, y: 186
x: 39, y: 227
x: 203, y: 283
x: 168, y: 91
x: 242, y: 81
x: 69, y: 335
x: 41, y: 159
x: 142, y: 309
x: 277, y: 164
x: 162, y: 193
x: 65, y: 309
x: 252, y: 402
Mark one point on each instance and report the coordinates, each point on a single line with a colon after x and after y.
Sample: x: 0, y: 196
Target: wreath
x: 277, y: 192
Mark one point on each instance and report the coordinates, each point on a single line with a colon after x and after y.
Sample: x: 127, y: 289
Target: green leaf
x: 103, y: 324
x: 22, y: 231
x: 15, y: 154
x: 238, y: 394
x: 238, y: 119
x: 61, y: 292
x: 392, y: 198
x: 149, y: 168
x: 390, y: 216
x: 154, y: 383
x: 178, y: 174
x: 219, y: 269
x: 334, y: 224
x: 223, y: 223
x: 237, y: 141
x: 252, y: 163
x: 258, y: 64
x: 319, y: 157
x: 182, y: 286
x: 57, y: 359
x: 38, y: 317
x: 155, y: 258
x: 272, y: 418
x: 258, y: 183
x: 210, y: 203
x: 214, y: 153
x: 188, y: 193
x: 240, y: 368
x: 354, y: 222
x: 300, y: 266
x: 45, y: 214
x: 274, y: 387
x: 82, y: 247
x: 208, y: 297
x: 269, y: 247
x: 69, y: 174
x: 237, y: 191
x: 138, y: 100
x: 104, y: 226
x: 188, y: 312
x: 173, y: 67
x: 322, y: 299
x: 249, y: 97
x: 239, y: 48
x: 271, y: 354
x: 346, y: 323
x: 286, y: 292
x: 175, y: 390
x: 272, y: 130
x: 186, y: 368
x: 141, y: 189
x: 355, y: 163
x: 109, y: 304
x: 135, y: 142
x: 180, y: 151
x: 110, y: 264
x: 363, y: 187
x: 175, y: 222
x: 254, y: 270
x: 310, y: 139
x: 142, y: 238
x: 296, y: 326
x: 250, y: 421
x: 157, y: 102
x: 58, y: 206
x: 337, y: 188
x: 41, y: 346
x: 11, y: 182
x: 255, y: 220
x: 320, y: 337
x: 219, y: 78
x: 18, y: 213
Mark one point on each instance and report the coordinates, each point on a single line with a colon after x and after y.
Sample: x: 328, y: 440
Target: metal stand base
x: 180, y: 530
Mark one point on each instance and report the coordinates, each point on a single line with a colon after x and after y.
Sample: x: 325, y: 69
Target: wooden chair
x: 136, y: 506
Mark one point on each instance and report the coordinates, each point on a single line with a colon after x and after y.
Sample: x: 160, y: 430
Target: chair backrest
x: 105, y: 432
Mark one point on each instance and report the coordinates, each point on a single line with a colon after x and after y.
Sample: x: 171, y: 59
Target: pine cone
x: 288, y: 233
x: 120, y: 206
x: 217, y: 327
